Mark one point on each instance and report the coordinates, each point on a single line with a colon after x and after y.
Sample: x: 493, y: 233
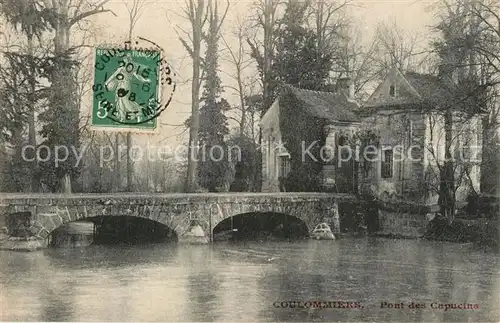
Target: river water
x: 243, y: 282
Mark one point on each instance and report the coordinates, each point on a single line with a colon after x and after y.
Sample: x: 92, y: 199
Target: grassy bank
x: 481, y: 231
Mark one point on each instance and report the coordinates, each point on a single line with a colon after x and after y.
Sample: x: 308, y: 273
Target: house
x: 338, y: 109
x: 391, y: 146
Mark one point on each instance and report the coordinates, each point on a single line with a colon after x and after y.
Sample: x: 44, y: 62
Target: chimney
x: 346, y: 86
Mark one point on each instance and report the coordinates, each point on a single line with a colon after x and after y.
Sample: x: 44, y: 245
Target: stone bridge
x: 47, y: 212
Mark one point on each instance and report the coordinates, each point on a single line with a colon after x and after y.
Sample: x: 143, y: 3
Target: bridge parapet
x: 41, y: 199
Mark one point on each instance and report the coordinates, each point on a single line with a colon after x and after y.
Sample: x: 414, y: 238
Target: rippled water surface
x: 241, y: 282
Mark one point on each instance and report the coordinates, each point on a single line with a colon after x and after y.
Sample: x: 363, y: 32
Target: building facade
x: 392, y: 146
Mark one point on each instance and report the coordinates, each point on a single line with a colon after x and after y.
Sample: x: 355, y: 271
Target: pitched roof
x: 326, y: 105
x: 426, y: 85
x: 423, y: 88
x: 271, y: 117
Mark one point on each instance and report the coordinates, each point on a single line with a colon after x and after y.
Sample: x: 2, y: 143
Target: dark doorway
x: 346, y: 176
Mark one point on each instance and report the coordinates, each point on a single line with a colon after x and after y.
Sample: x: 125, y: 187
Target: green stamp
x: 127, y: 88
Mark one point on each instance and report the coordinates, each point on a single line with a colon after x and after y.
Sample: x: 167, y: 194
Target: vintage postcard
x: 250, y: 161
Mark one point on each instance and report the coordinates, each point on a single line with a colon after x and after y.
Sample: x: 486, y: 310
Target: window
x: 392, y: 91
x: 409, y: 129
x: 386, y: 165
x: 342, y: 141
x: 284, y: 166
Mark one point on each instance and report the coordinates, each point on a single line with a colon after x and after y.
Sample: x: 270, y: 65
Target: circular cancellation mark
x: 136, y: 84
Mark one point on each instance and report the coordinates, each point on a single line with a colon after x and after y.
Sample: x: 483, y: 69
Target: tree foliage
x: 61, y: 123
x: 213, y: 125
x: 465, y: 79
x: 297, y: 58
x: 30, y: 17
x: 39, y: 80
x: 246, y: 162
x: 303, y: 137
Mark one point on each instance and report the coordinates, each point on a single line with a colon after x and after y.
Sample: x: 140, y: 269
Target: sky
x: 162, y: 20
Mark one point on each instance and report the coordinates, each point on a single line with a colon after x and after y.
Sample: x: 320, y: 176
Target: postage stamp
x: 132, y: 86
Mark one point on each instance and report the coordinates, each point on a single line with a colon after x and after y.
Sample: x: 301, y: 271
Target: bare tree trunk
x: 117, y: 176
x: 195, y: 121
x: 448, y: 174
x: 197, y: 25
x: 268, y: 39
x: 130, y: 166
x: 240, y: 64
x: 268, y: 31
x: 148, y: 165
x: 319, y: 25
x: 471, y: 7
x: 243, y: 120
x: 34, y: 185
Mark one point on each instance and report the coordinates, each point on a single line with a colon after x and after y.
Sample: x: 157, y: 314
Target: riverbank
x: 476, y: 224
x: 21, y: 243
x: 482, y: 232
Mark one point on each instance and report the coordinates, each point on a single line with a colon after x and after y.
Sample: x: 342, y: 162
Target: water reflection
x: 241, y: 281
x: 57, y: 301
x: 99, y: 256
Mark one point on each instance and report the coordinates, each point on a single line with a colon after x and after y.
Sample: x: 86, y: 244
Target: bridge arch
x: 113, y: 229
x: 256, y: 224
x: 309, y: 212
x: 43, y: 224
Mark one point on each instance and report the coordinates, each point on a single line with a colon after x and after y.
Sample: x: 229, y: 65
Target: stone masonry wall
x: 402, y: 224
x: 405, y: 219
x: 177, y: 211
x: 398, y: 130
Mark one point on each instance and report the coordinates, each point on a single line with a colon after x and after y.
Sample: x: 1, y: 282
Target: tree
x: 22, y: 92
x: 246, y: 162
x: 134, y: 11
x: 330, y: 23
x: 298, y: 59
x: 355, y: 60
x: 464, y: 93
x: 32, y: 20
x: 486, y: 49
x: 247, y: 165
x: 61, y: 123
x: 213, y: 122
x: 395, y: 47
x: 241, y: 62
x: 194, y: 12
x: 18, y: 99
x: 5, y: 184
x: 163, y: 176
x: 98, y: 175
x: 266, y: 22
x: 294, y: 57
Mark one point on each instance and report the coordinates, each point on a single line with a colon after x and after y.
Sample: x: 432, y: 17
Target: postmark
x: 133, y: 85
